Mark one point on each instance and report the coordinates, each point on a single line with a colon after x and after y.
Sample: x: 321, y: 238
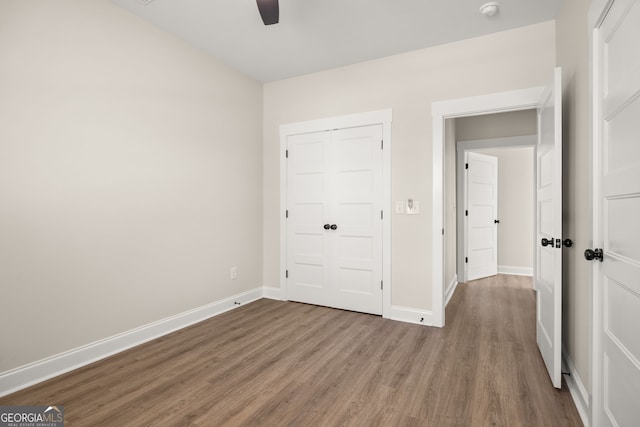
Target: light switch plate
x: 413, y: 207
x: 400, y: 207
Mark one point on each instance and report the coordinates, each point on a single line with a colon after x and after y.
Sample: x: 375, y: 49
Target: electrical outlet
x: 234, y: 273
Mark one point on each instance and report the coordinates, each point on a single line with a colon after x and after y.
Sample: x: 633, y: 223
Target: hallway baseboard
x: 451, y: 289
x: 576, y: 388
x: 516, y: 271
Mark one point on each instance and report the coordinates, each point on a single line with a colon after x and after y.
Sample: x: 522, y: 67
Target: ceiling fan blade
x: 269, y: 11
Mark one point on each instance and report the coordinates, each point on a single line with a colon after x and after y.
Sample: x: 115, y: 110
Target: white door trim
x: 597, y: 12
x: 381, y: 117
x: 524, y: 99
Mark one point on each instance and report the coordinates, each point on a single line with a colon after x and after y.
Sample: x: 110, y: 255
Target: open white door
x: 481, y: 215
x: 548, y: 277
x: 616, y: 255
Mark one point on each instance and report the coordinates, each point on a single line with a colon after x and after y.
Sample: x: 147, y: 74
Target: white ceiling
x: 315, y: 35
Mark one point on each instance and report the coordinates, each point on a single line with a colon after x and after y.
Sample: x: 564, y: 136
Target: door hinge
x: 381, y: 285
x: 466, y: 212
x: 466, y: 259
x: 381, y: 215
x: 382, y: 144
x: 286, y: 213
x: 466, y: 165
x: 286, y: 153
x: 443, y: 231
x: 286, y: 274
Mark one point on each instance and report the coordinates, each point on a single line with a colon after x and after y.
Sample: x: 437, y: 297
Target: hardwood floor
x: 273, y: 363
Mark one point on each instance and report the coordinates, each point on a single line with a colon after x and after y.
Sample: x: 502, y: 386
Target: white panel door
x: 548, y: 277
x: 308, y: 243
x: 481, y: 214
x: 335, y: 232
x: 617, y: 277
x: 356, y: 210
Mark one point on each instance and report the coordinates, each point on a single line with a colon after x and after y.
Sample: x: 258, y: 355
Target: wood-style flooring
x: 273, y: 363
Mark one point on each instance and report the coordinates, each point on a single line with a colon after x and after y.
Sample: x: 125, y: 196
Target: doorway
x: 511, y: 138
x: 442, y: 112
x: 515, y: 218
x: 548, y: 261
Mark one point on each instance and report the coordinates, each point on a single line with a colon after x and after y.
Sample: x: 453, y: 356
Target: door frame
x: 380, y: 117
x: 463, y: 147
x: 501, y: 102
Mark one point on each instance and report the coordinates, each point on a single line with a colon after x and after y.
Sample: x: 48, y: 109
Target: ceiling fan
x: 269, y: 11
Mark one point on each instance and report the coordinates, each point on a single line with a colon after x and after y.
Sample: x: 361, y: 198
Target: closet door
x: 356, y: 255
x: 308, y: 242
x: 334, y: 228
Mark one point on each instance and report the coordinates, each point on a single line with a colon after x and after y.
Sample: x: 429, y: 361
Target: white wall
x: 500, y: 125
x: 515, y: 206
x: 407, y: 83
x: 572, y: 46
x: 130, y: 176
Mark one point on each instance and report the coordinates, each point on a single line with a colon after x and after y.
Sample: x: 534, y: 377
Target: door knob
x: 326, y: 226
x: 334, y: 227
x: 567, y: 242
x: 591, y: 254
x: 496, y: 221
x: 545, y: 242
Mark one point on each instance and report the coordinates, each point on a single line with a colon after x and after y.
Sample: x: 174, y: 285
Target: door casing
x: 380, y: 117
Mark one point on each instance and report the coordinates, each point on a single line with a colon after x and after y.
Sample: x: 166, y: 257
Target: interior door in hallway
x: 548, y: 273
x: 481, y: 214
x: 334, y: 228
x: 617, y: 229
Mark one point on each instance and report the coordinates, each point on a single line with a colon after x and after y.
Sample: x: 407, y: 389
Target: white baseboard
x: 412, y: 315
x: 401, y: 314
x: 33, y: 373
x: 516, y: 271
x: 576, y: 388
x: 451, y: 288
x: 272, y: 293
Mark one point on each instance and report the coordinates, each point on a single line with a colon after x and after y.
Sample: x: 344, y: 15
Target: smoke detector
x: 489, y: 9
